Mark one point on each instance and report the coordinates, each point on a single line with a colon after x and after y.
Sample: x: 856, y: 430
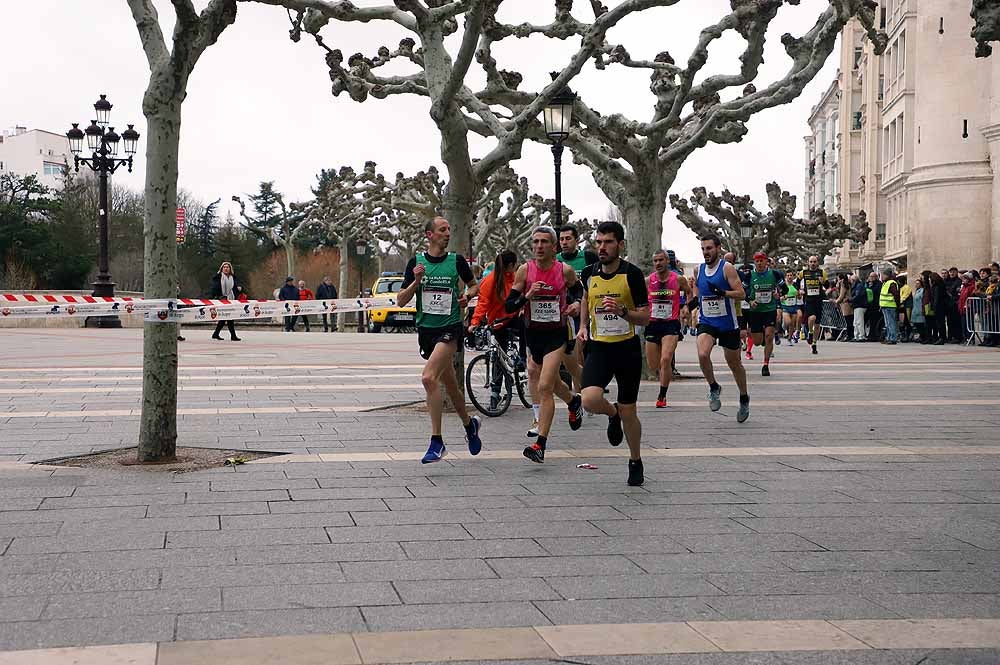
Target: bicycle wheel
x: 521, y: 382
x: 487, y: 385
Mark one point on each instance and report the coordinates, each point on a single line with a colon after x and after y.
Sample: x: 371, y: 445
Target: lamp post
x: 361, y: 248
x: 746, y: 232
x: 557, y: 117
x: 102, y: 141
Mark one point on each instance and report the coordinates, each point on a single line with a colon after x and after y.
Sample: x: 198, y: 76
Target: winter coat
x: 216, y: 291
x: 917, y: 313
x: 859, y: 294
x: 288, y: 292
x: 326, y: 292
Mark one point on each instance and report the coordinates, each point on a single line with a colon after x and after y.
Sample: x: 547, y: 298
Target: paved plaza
x: 855, y: 518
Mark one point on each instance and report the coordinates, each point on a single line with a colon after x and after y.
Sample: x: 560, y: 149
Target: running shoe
x: 809, y: 338
x: 635, y: 477
x: 744, y: 412
x: 576, y: 413
x: 777, y: 340
x: 535, y: 453
x: 435, y: 453
x: 533, y: 430
x: 676, y: 374
x: 615, y: 433
x: 815, y: 352
x: 472, y: 435
x: 715, y: 398
x: 749, y: 355
x: 765, y: 371
x: 661, y: 403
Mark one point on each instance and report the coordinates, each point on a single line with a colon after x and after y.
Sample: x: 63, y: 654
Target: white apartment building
x: 920, y: 140
x: 35, y: 152
x: 823, y: 154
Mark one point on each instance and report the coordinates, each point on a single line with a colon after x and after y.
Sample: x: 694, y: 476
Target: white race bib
x: 610, y: 325
x: 436, y: 302
x: 545, y: 310
x: 662, y: 310
x: 788, y: 302
x: 763, y: 297
x: 812, y: 292
x: 713, y: 307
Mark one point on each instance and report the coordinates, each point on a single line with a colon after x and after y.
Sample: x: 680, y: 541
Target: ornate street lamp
x: 361, y: 248
x: 103, y: 141
x: 557, y: 118
x: 746, y: 232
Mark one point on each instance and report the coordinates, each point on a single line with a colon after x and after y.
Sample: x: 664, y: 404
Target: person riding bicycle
x: 490, y: 309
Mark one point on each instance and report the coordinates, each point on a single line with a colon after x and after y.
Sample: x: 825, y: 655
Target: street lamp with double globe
x: 103, y: 142
x: 746, y: 232
x: 557, y: 117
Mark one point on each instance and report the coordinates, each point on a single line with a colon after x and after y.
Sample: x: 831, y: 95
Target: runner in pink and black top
x: 663, y: 332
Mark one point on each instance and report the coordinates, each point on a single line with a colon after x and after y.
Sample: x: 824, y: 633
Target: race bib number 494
x: 609, y: 324
x: 436, y: 301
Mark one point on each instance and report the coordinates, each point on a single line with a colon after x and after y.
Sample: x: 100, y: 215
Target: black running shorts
x: 728, y: 339
x: 428, y: 338
x: 813, y: 307
x: 657, y: 330
x: 543, y: 341
x: 760, y: 320
x: 621, y: 361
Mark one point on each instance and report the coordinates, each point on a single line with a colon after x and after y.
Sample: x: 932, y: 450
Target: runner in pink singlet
x: 664, y: 329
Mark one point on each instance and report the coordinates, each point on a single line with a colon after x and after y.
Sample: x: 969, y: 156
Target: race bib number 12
x: 436, y: 301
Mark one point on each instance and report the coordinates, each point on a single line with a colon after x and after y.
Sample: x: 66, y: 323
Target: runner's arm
x: 466, y: 275
x: 735, y: 283
x: 515, y: 298
x: 638, y: 316
x: 410, y: 284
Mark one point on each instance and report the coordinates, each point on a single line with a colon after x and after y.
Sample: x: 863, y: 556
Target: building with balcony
x: 920, y: 144
x: 823, y: 154
x: 35, y: 152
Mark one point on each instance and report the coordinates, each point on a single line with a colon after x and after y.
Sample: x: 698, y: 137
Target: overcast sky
x: 259, y: 107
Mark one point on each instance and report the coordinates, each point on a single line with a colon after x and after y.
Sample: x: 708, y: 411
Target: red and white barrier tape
x: 259, y: 309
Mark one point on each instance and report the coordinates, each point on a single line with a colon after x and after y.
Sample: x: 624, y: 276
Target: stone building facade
x: 919, y: 138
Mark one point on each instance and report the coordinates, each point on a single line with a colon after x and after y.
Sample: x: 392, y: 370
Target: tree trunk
x: 345, y: 277
x: 158, y: 424
x: 458, y: 203
x: 643, y: 221
x: 290, y: 259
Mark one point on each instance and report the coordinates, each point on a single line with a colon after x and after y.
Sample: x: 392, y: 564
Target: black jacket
x: 326, y: 291
x: 288, y: 292
x: 859, y: 294
x: 217, y: 286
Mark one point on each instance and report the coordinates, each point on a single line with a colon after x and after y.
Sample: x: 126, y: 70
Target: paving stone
x: 450, y: 503
x: 245, y: 537
x: 498, y: 530
x: 635, y: 610
x: 414, y: 517
x: 145, y: 525
x: 473, y: 549
x: 143, y: 559
x: 293, y: 596
x: 938, y: 605
x: 684, y: 511
x: 83, y: 632
x: 327, y: 506
x: 708, y: 562
x: 454, y: 615
x: 669, y: 527
x: 113, y: 501
x: 350, y: 493
x: 131, y: 603
x: 759, y: 583
x: 151, y: 487
x: 230, y: 497
x: 359, y: 534
x: 21, y: 608
x: 830, y: 606
x: 198, y: 509
x: 477, y: 490
x: 91, y: 543
x: 474, y: 590
x: 37, y: 516
x: 19, y: 530
x: 320, y: 553
x: 631, y: 586
x: 261, y: 623
x: 285, y: 521
x: 65, y: 581
x: 746, y: 542
x: 564, y: 566
x: 255, y: 575
x: 458, y: 569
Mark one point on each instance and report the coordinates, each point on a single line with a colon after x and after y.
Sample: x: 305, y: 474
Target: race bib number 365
x: 436, y: 301
x: 545, y: 310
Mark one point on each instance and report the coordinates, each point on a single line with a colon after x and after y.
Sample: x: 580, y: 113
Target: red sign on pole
x: 180, y: 226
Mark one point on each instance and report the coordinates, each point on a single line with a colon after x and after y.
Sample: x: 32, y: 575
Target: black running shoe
x: 635, y: 477
x: 815, y: 352
x: 576, y: 413
x: 535, y: 453
x: 765, y: 371
x: 615, y: 433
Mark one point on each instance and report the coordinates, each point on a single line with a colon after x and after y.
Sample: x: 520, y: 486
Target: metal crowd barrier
x: 982, y: 317
x: 832, y: 318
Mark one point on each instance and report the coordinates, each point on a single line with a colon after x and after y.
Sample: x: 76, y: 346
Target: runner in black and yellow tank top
x: 615, y: 302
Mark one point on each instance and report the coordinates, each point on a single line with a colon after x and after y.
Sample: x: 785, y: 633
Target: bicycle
x: 492, y: 377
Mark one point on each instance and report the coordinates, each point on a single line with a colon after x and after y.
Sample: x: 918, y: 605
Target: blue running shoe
x: 472, y: 435
x: 435, y: 453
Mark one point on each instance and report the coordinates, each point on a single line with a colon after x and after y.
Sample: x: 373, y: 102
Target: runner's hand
x: 418, y: 271
x: 534, y: 288
x: 581, y: 337
x: 573, y: 309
